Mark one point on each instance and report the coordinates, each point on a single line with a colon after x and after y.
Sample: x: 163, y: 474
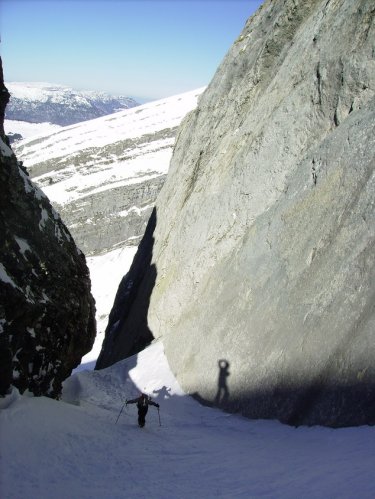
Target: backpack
x: 143, y: 401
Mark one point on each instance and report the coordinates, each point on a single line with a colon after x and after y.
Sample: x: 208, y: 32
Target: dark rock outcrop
x: 129, y: 310
x: 4, y: 99
x: 264, y: 247
x: 47, y: 313
x: 14, y: 137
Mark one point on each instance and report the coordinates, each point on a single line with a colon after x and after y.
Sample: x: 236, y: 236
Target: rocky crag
x: 260, y: 278
x: 103, y: 175
x: 47, y: 313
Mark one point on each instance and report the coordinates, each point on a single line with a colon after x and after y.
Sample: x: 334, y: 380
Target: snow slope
x: 131, y: 123
x: 29, y: 130
x: 74, y: 448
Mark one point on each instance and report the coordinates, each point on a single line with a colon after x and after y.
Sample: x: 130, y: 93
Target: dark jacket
x: 142, y: 402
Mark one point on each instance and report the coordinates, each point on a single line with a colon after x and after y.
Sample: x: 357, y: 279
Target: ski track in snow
x: 74, y: 448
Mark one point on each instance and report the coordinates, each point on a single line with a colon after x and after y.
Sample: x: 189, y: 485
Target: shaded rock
x: 14, y: 137
x: 264, y: 244
x: 4, y: 99
x: 129, y: 310
x: 47, y: 313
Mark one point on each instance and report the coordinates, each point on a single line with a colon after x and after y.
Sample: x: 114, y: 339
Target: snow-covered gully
x: 73, y: 448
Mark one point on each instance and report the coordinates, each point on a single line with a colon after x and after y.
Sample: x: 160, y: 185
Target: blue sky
x: 147, y: 49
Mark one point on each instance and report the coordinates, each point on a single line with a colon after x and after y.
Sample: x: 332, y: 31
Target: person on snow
x: 143, y: 401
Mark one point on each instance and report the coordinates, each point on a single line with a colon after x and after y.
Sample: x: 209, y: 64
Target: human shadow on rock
x: 222, y: 395
x: 221, y: 399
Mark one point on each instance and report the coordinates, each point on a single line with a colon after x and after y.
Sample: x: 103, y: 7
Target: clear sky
x: 146, y: 49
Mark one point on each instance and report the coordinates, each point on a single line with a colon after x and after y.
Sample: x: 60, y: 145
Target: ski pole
x: 120, y: 411
x: 159, y: 417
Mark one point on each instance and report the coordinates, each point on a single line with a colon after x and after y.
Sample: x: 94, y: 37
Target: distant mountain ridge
x: 60, y: 105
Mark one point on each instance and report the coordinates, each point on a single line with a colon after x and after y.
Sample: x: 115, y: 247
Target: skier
x: 143, y: 401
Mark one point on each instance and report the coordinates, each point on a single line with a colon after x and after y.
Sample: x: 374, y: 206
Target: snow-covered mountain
x: 60, y: 105
x: 103, y: 175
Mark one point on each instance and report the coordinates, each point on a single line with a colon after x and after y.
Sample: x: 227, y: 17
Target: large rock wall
x: 47, y: 313
x: 264, y: 243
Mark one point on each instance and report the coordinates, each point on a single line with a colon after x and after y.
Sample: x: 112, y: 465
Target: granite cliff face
x: 47, y: 313
x: 260, y: 276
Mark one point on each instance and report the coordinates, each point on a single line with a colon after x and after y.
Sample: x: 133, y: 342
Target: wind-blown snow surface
x: 74, y: 448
